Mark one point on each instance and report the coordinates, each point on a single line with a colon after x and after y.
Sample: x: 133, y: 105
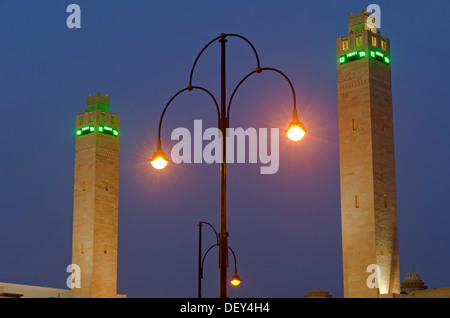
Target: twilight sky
x: 285, y: 228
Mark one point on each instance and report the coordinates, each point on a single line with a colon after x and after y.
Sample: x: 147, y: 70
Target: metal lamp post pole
x: 199, y: 259
x: 223, y: 243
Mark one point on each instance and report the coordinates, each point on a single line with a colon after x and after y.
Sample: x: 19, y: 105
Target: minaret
x: 367, y: 165
x: 96, y: 194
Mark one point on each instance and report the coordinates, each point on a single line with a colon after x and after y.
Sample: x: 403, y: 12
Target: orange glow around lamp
x: 296, y: 130
x: 159, y: 160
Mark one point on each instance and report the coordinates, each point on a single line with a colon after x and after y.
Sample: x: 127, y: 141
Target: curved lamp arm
x: 249, y: 43
x: 222, y: 36
x: 207, y: 251
x: 203, y: 260
x: 198, y: 56
x: 217, y: 236
x: 189, y: 88
x: 234, y: 256
x: 259, y: 70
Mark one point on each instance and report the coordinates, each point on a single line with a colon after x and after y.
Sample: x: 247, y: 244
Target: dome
x: 412, y: 281
x: 318, y: 293
x: 412, y: 277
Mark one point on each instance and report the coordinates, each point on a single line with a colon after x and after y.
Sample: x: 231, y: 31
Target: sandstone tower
x: 367, y: 167
x: 96, y: 193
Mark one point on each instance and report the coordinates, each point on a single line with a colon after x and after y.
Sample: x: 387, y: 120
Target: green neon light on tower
x: 108, y: 130
x: 103, y: 129
x: 352, y: 56
x: 356, y: 55
x: 85, y: 130
x: 380, y: 56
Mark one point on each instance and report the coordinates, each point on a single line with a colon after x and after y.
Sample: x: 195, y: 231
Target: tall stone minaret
x: 96, y: 194
x: 367, y: 165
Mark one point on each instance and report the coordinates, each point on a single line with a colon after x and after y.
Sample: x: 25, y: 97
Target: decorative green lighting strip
x: 357, y: 55
x: 85, y: 130
x: 108, y: 130
x: 103, y: 129
x: 379, y: 56
x: 352, y: 56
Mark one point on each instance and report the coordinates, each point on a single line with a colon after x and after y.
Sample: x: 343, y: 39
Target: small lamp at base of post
x: 235, y: 280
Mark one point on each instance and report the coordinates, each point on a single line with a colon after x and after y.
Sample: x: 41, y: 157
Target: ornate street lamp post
x: 295, y: 132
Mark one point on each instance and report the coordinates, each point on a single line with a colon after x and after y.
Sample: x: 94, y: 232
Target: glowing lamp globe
x: 235, y: 280
x: 159, y: 160
x: 296, y: 131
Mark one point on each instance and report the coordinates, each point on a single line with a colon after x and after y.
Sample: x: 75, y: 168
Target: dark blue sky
x: 285, y: 228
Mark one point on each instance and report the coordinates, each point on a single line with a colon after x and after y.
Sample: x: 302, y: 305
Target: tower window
x: 84, y: 185
x: 344, y: 44
x: 356, y: 201
x: 374, y: 40
x: 91, y: 118
x: 383, y: 44
x: 113, y: 120
x: 102, y: 118
x: 385, y: 201
x: 358, y: 39
x: 382, y: 124
x: 106, y: 186
x: 104, y: 249
x: 354, y: 123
